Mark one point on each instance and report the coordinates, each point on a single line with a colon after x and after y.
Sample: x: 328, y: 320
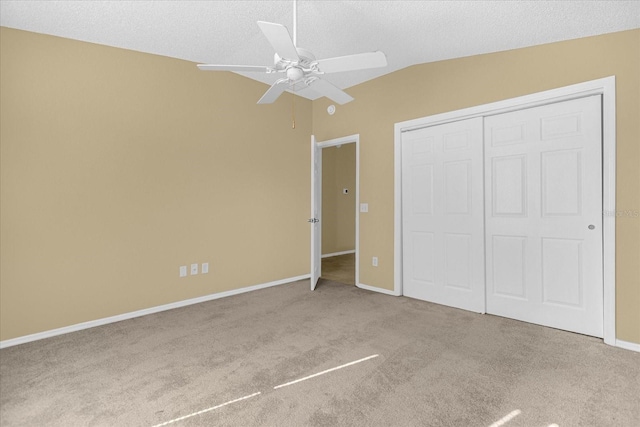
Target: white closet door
x: 442, y: 205
x: 543, y: 186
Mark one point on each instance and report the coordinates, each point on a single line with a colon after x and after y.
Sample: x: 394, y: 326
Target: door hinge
x: 313, y: 220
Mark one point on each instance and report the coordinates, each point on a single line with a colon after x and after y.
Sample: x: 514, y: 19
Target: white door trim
x: 355, y: 138
x: 605, y: 87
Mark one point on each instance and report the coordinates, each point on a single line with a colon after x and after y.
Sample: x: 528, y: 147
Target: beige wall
x: 433, y: 88
x: 338, y: 209
x: 117, y: 167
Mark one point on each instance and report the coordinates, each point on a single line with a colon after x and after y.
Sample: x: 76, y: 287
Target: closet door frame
x: 604, y: 87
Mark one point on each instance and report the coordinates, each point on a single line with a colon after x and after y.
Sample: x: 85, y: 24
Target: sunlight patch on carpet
x: 207, y: 410
x: 502, y: 421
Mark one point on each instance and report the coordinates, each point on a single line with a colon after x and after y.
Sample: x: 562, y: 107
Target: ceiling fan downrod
x: 295, y: 44
x: 295, y: 23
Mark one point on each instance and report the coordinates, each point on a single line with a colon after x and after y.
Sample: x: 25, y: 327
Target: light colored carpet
x: 437, y: 366
x: 340, y: 268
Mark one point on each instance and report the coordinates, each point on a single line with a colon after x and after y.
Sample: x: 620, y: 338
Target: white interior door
x: 442, y: 211
x: 316, y: 212
x: 543, y: 215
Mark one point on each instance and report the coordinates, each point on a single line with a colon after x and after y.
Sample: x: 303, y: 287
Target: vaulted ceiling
x: 408, y: 32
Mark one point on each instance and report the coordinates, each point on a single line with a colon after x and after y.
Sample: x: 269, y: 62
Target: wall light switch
x: 374, y: 261
x: 205, y: 268
x: 194, y: 269
x: 183, y: 271
x: 364, y: 207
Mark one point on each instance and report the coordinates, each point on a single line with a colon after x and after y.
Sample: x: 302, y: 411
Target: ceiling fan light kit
x: 300, y: 67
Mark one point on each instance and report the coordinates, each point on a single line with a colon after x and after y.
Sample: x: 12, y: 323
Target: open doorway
x: 336, y: 198
x: 338, y: 213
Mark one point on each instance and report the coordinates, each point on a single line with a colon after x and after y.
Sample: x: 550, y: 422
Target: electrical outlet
x: 194, y: 269
x: 183, y: 271
x: 374, y: 261
x: 205, y: 268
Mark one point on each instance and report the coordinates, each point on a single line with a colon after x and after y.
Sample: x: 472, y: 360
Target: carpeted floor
x: 340, y: 268
x: 436, y: 366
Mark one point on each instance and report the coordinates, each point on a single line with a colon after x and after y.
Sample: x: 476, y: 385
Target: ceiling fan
x: 300, y: 67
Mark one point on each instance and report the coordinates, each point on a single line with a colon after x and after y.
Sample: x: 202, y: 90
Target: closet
x: 503, y: 214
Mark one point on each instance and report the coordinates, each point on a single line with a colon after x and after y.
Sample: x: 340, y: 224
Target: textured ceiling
x: 409, y: 32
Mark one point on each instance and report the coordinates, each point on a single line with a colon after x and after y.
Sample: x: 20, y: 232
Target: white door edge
x: 350, y: 139
x: 607, y: 88
x: 316, y: 182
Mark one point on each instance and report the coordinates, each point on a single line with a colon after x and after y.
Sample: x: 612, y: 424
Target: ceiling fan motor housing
x: 295, y: 74
x: 306, y: 59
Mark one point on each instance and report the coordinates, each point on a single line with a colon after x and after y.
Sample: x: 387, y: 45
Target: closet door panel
x: 442, y: 208
x: 544, y: 215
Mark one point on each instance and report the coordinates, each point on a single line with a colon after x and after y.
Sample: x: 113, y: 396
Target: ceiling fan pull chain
x: 293, y: 107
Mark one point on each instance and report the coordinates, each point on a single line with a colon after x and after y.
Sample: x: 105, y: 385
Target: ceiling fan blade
x: 359, y: 61
x: 332, y: 92
x: 212, y: 67
x: 274, y: 91
x: 279, y: 37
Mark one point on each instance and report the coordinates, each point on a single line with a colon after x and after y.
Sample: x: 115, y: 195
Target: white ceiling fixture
x: 408, y: 32
x: 300, y: 67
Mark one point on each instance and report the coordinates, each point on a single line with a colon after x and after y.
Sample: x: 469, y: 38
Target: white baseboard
x: 374, y: 289
x: 104, y: 321
x: 628, y: 345
x: 339, y: 253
